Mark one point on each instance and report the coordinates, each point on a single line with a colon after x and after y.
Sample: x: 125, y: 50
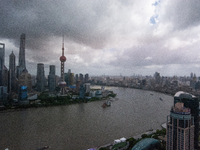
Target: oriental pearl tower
x: 62, y: 83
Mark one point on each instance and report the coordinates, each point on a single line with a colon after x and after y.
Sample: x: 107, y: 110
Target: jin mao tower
x: 12, y: 72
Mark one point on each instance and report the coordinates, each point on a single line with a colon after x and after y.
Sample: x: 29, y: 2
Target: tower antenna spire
x: 63, y: 46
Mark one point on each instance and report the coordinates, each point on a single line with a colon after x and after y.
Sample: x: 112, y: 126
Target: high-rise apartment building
x: 76, y: 77
x: 40, y: 85
x: 157, y: 77
x: 69, y: 71
x: 22, y: 63
x: 81, y: 77
x: 71, y: 79
x: 190, y: 101
x: 12, y: 79
x: 180, y: 128
x: 86, y: 78
x: 5, y: 76
x: 3, y: 95
x: 52, y: 78
x: 2, y: 61
x: 66, y: 77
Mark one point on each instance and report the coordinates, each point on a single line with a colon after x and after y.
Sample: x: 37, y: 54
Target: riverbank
x: 166, y: 91
x: 44, y: 100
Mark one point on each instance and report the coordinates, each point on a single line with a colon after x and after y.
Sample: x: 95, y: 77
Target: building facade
x: 12, y: 78
x: 3, y: 95
x: 82, y: 91
x: 78, y: 84
x: 23, y: 95
x: 180, y: 128
x: 81, y: 77
x: 190, y: 101
x: 71, y: 79
x: 76, y: 77
x: 52, y: 78
x: 86, y: 78
x: 2, y: 61
x: 40, y: 85
x: 22, y: 62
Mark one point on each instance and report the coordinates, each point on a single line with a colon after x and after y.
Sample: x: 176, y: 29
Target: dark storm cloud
x: 78, y: 20
x: 104, y: 34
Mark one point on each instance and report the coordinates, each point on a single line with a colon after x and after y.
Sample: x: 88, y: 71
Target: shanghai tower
x: 2, y: 61
x: 22, y: 64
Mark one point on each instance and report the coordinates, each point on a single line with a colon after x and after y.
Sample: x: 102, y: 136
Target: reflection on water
x: 81, y: 126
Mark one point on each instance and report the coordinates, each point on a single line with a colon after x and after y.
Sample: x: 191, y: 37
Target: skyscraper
x: 52, y: 78
x: 71, y: 79
x: 190, y: 101
x: 86, y: 78
x: 2, y: 61
x: 81, y: 77
x: 180, y: 128
x: 76, y: 77
x: 40, y: 77
x: 12, y: 80
x: 62, y: 83
x: 157, y: 77
x: 22, y: 63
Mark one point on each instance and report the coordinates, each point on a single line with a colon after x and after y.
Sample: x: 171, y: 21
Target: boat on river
x: 106, y: 104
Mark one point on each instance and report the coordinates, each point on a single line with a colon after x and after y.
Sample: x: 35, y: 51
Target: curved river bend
x: 81, y: 126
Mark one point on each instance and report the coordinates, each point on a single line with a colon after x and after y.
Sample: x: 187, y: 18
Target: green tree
x: 144, y: 136
x: 104, y: 148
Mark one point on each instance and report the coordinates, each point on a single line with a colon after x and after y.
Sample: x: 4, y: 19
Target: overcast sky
x: 110, y: 37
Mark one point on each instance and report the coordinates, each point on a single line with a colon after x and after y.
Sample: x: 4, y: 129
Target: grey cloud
x: 182, y: 14
x: 91, y: 26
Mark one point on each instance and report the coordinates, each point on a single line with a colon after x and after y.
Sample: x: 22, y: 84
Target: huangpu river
x: 86, y: 125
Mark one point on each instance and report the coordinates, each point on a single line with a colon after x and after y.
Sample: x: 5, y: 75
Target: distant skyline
x: 105, y: 37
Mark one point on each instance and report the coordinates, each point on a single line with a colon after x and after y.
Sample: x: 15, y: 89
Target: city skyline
x: 101, y: 37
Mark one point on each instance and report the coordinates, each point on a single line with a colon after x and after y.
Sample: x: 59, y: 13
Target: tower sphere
x: 62, y: 58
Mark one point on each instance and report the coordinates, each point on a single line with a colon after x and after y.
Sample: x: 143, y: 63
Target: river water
x: 86, y: 125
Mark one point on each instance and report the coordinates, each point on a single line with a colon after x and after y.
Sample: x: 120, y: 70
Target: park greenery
x: 45, y: 99
x: 71, y: 98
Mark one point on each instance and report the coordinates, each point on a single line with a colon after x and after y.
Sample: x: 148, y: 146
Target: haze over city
x: 105, y: 37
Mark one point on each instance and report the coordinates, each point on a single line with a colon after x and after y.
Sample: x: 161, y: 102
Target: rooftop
x: 182, y: 94
x: 145, y: 144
